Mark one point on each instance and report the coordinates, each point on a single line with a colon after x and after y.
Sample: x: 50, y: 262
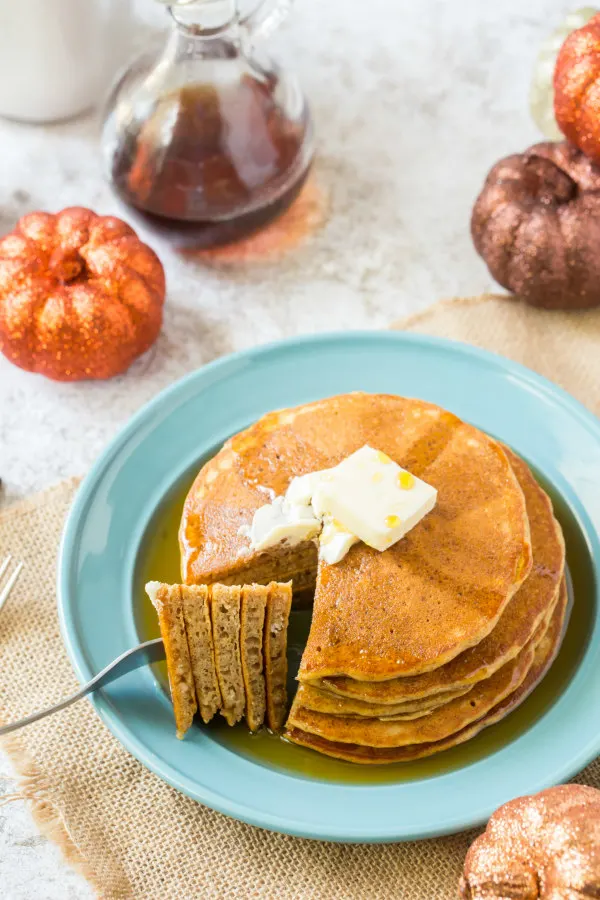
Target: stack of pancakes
x: 417, y: 648
x: 226, y: 650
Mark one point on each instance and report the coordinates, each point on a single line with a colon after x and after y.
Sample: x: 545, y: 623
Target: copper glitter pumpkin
x: 543, y: 847
x: 536, y: 223
x: 577, y: 88
x: 80, y: 295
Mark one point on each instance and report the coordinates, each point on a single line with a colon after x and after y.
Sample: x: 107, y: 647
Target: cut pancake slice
x: 516, y: 625
x: 226, y: 649
x: 166, y: 599
x: 298, y: 565
x: 545, y: 654
x: 279, y: 604
x: 225, y: 614
x: 254, y: 601
x: 196, y: 613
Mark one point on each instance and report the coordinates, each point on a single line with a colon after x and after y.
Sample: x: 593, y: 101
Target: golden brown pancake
x: 514, y: 629
x: 445, y: 721
x: 544, y: 656
x: 373, y: 612
x: 166, y: 599
x: 320, y: 701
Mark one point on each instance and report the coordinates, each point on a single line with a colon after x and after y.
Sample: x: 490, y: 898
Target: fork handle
x: 148, y: 652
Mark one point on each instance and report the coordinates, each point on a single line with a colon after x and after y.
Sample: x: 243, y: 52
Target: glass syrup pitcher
x: 208, y: 140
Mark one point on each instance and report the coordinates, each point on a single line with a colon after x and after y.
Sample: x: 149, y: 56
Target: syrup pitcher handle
x: 265, y: 18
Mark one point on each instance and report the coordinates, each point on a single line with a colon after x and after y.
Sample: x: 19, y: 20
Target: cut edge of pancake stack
x: 403, y: 719
x: 226, y: 650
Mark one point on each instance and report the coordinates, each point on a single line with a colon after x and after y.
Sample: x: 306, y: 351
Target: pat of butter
x: 373, y: 498
x: 367, y: 497
x: 301, y: 489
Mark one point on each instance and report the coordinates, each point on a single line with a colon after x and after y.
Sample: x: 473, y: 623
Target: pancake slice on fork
x: 167, y: 600
x: 279, y: 605
x: 254, y: 602
x: 196, y: 614
x: 225, y: 613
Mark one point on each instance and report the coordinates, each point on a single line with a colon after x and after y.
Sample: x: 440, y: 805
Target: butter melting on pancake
x: 373, y: 612
x: 516, y: 625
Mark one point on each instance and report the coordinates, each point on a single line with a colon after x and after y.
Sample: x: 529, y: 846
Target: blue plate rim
x: 85, y: 493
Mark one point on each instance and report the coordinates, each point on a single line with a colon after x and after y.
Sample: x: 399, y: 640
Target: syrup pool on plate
x: 158, y: 559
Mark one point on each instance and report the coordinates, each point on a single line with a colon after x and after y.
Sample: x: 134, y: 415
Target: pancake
x: 166, y: 599
x: 373, y: 612
x: 514, y: 629
x: 545, y: 654
x: 279, y: 604
x: 445, y: 721
x: 320, y: 701
x: 254, y: 601
x: 196, y: 614
x: 225, y: 614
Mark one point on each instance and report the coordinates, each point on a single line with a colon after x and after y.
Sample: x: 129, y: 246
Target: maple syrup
x: 212, y: 185
x: 208, y: 141
x: 158, y: 558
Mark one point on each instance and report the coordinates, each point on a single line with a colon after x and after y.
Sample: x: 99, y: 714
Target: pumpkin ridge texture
x: 536, y: 223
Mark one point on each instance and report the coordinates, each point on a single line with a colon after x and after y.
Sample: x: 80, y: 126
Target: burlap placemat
x: 133, y: 837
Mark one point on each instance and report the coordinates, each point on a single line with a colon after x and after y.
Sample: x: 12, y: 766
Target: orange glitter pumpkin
x: 80, y: 295
x: 577, y: 88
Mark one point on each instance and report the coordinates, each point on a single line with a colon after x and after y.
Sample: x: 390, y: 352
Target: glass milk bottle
x: 58, y: 57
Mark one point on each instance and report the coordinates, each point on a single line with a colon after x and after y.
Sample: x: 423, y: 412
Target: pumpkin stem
x: 66, y: 265
x: 548, y: 183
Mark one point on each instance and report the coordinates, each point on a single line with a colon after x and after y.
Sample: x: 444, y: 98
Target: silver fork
x: 10, y: 581
x: 148, y: 652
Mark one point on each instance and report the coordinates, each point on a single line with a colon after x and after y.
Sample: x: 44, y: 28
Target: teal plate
x: 167, y: 440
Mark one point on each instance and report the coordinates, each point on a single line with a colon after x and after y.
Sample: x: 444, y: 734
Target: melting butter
x: 367, y: 497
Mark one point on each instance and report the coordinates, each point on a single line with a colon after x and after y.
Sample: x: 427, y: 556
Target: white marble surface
x: 412, y: 104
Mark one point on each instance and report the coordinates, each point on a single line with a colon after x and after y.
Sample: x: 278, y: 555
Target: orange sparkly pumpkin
x: 577, y: 88
x: 80, y: 295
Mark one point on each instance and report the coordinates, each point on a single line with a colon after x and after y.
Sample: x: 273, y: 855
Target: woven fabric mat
x: 134, y: 837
